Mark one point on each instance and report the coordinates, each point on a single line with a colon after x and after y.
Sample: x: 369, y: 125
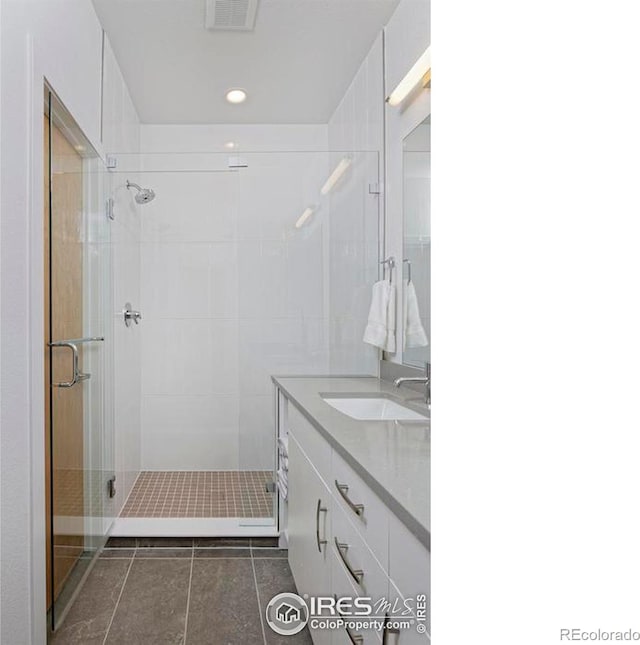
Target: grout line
x: 255, y: 582
x: 186, y: 617
x: 113, y: 615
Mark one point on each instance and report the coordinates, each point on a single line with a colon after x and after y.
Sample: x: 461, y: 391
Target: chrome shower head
x: 144, y: 195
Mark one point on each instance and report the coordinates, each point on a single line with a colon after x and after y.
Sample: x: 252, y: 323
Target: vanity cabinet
x: 345, y: 541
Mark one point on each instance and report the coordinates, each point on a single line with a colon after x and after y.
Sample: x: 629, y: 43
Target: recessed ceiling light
x: 230, y: 145
x: 236, y: 96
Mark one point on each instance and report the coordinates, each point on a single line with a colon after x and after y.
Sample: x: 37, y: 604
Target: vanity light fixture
x: 230, y: 145
x: 236, y: 95
x: 421, y: 71
x: 339, y: 170
x: 306, y: 214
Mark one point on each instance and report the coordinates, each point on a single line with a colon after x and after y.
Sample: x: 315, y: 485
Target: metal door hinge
x: 237, y: 162
x: 374, y: 189
x: 111, y: 487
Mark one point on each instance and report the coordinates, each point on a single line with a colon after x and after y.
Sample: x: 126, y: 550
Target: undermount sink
x: 373, y: 409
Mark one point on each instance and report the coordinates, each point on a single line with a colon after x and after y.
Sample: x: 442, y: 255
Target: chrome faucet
x: 426, y: 379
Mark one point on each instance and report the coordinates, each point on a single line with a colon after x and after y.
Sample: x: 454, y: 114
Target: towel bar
x: 391, y: 262
x: 408, y: 262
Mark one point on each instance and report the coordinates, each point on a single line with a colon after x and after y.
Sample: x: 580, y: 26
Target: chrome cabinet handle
x: 356, y: 574
x: 356, y: 639
x: 319, y: 509
x: 343, y: 489
x: 388, y: 630
x: 72, y: 344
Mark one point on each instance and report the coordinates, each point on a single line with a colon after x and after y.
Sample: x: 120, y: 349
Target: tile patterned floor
x: 223, y: 493
x: 181, y: 591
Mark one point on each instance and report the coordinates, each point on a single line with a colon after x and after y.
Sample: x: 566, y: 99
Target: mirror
x: 416, y: 170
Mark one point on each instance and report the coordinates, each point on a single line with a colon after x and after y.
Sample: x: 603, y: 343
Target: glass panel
x: 78, y: 335
x: 417, y: 244
x: 308, y: 227
x: 252, y: 264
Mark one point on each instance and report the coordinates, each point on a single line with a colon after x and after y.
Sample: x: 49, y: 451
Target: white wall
x: 407, y: 35
x: 62, y: 42
x: 363, y: 120
x: 356, y: 124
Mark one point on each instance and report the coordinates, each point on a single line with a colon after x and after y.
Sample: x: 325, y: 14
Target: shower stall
x: 175, y: 286
x: 250, y: 264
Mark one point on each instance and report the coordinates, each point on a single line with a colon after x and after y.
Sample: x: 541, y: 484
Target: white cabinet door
x: 309, y: 530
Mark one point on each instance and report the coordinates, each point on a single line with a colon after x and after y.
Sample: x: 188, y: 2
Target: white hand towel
x: 381, y: 325
x: 283, y: 484
x: 283, y: 446
x: 414, y: 334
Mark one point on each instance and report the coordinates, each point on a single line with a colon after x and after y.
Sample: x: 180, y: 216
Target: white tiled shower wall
x: 232, y: 292
x: 356, y: 124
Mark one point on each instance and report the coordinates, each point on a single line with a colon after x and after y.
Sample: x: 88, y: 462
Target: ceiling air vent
x: 234, y: 15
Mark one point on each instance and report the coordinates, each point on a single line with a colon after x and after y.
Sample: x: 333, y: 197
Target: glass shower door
x: 79, y: 441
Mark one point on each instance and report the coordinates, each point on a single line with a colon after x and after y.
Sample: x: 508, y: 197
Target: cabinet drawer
x: 409, y: 565
x: 371, y: 521
x: 311, y: 441
x: 343, y: 587
x: 358, y: 563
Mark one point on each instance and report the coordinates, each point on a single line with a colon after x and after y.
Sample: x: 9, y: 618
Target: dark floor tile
x: 265, y: 542
x: 164, y: 552
x: 117, y: 553
x: 121, y: 543
x: 221, y: 542
x: 269, y: 553
x: 88, y: 618
x: 153, y: 606
x: 166, y: 542
x: 223, y: 609
x: 222, y: 553
x: 274, y: 577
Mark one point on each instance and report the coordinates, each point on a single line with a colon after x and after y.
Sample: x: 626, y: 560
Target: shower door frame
x: 73, y: 227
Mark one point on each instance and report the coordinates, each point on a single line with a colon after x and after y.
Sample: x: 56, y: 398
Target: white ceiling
x: 295, y: 65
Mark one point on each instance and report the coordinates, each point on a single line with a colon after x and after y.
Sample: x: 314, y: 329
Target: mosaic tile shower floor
x: 222, y: 493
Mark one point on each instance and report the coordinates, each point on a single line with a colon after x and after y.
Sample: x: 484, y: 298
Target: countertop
x: 392, y: 457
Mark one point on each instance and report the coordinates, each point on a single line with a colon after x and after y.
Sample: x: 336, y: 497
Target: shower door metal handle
x: 72, y: 344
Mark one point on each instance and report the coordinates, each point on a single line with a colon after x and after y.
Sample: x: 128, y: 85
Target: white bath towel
x: 414, y: 334
x: 381, y: 326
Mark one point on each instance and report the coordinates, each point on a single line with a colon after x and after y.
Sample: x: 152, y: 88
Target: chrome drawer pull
x: 388, y: 630
x: 319, y: 509
x: 356, y: 639
x: 356, y: 574
x: 343, y: 489
x: 72, y: 344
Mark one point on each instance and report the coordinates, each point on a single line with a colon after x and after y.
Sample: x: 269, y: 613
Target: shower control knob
x: 131, y: 315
